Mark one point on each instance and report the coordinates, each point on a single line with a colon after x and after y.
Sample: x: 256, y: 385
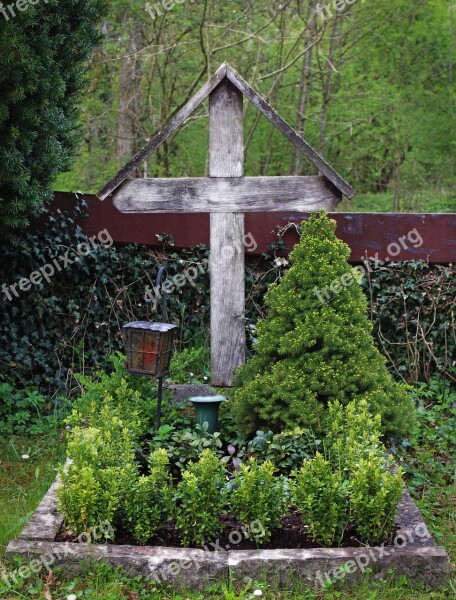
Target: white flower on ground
x: 72, y: 597
x: 25, y: 457
x: 258, y: 593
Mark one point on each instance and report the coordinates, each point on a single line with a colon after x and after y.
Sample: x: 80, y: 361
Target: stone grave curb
x: 421, y: 561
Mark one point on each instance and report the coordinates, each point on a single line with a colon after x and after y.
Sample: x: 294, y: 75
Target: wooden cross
x: 227, y: 195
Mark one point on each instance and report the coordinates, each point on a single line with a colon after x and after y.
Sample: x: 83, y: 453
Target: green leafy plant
x: 113, y: 445
x: 89, y: 496
x: 186, y: 445
x: 286, y: 450
x: 184, y: 441
x: 128, y: 394
x: 374, y: 495
x: 427, y: 456
x: 230, y: 459
x: 321, y: 498
x: 354, y: 482
x: 352, y: 432
x: 354, y: 446
x: 191, y: 365
x: 200, y: 500
x: 311, y: 351
x: 24, y: 411
x: 149, y: 499
x: 100, y: 413
x: 258, y: 495
x: 101, y: 466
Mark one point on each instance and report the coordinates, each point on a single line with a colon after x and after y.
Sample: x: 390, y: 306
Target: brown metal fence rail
x: 384, y: 236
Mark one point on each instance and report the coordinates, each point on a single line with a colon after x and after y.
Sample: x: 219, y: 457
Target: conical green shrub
x: 311, y: 350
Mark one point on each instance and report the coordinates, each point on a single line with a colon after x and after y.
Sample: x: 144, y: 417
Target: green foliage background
x: 372, y: 88
x: 44, y: 51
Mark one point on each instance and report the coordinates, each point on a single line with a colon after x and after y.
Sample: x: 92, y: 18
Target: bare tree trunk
x: 304, y: 87
x: 129, y: 99
x: 327, y: 80
x: 397, y: 187
x: 272, y: 96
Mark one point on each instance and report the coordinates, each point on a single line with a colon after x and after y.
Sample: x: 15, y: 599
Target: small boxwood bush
x: 200, y: 500
x: 149, y: 499
x: 353, y: 484
x: 258, y: 496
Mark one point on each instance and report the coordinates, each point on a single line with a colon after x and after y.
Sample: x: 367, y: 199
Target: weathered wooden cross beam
x: 227, y: 195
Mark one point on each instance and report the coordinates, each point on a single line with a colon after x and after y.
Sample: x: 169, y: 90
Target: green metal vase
x: 207, y: 410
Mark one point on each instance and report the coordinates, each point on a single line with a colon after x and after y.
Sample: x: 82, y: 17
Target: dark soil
x: 233, y: 536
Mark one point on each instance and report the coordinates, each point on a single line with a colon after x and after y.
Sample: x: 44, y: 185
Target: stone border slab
x: 46, y: 520
x: 418, y: 557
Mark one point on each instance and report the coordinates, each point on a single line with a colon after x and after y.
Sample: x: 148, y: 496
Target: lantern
x: 149, y: 347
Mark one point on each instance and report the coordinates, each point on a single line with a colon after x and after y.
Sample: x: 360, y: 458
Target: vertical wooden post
x: 226, y: 159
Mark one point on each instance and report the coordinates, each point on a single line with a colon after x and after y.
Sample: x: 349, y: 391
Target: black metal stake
x: 162, y: 274
x: 159, y: 402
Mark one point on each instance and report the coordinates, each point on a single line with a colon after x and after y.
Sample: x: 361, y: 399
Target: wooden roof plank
x: 226, y: 71
x: 294, y: 137
x: 165, y: 133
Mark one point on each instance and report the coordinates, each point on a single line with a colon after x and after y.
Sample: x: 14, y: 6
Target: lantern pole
x: 162, y: 275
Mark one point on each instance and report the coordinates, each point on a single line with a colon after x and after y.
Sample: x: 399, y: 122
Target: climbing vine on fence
x: 72, y: 322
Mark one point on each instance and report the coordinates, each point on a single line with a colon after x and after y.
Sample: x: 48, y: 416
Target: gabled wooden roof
x: 227, y: 72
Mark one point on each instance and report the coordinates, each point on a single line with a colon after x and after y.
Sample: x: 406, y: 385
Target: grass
x: 428, y: 458
x: 109, y: 583
x: 23, y: 481
x: 429, y: 461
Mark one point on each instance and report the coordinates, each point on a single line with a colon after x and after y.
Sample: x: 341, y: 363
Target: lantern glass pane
x: 151, y: 341
x: 136, y: 340
x: 136, y: 344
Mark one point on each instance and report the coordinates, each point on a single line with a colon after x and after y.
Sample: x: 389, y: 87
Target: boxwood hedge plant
x: 94, y: 481
x: 354, y: 483
x: 320, y: 495
x: 149, y: 499
x: 258, y: 496
x: 200, y: 500
x: 315, y: 345
x: 375, y: 491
